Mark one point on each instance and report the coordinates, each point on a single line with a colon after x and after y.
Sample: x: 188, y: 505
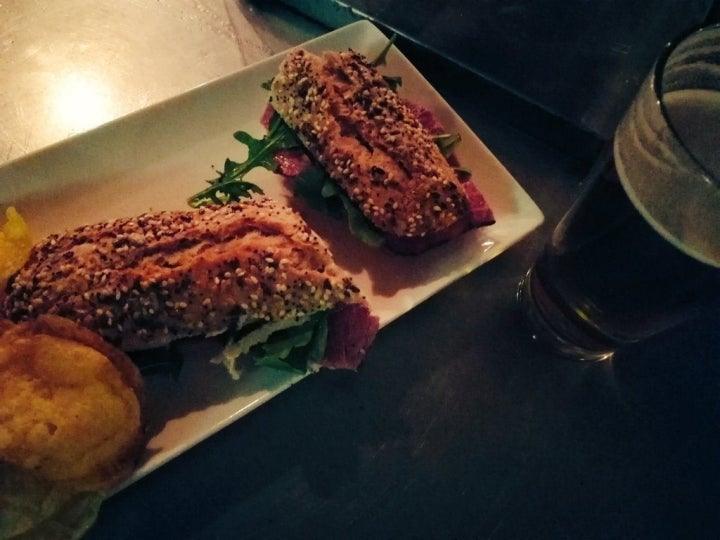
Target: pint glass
x: 639, y: 252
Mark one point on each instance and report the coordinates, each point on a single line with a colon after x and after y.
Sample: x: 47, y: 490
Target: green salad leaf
x: 289, y: 344
x: 230, y: 184
x: 447, y: 143
x: 295, y: 348
x: 393, y: 81
x: 324, y: 194
x: 381, y: 58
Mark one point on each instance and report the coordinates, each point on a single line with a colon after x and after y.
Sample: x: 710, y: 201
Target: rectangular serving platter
x: 156, y: 158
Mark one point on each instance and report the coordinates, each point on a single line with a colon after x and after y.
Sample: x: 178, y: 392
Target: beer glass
x: 639, y: 252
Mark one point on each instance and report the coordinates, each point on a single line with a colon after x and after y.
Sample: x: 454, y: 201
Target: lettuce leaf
x: 291, y: 344
x: 296, y: 348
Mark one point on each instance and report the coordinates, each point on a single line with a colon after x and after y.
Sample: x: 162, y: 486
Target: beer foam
x: 666, y: 147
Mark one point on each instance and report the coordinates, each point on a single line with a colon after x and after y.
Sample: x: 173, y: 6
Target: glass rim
x: 657, y: 88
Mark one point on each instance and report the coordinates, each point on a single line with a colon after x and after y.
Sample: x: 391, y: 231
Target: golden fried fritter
x: 15, y: 243
x: 70, y: 404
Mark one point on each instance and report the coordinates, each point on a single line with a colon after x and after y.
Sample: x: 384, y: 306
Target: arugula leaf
x: 309, y: 185
x: 230, y: 184
x: 393, y: 82
x: 447, y: 142
x: 463, y: 172
x: 381, y: 58
x: 324, y: 195
x: 360, y: 226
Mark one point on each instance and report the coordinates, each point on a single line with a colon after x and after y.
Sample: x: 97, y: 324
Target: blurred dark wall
x: 581, y: 60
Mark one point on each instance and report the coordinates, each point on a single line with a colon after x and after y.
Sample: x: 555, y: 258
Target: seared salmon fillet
x: 371, y: 142
x: 145, y: 281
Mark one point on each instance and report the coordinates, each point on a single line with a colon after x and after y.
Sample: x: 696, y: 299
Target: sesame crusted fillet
x: 145, y: 281
x: 370, y: 141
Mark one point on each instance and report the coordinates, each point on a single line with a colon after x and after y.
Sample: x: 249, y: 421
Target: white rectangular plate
x: 156, y: 158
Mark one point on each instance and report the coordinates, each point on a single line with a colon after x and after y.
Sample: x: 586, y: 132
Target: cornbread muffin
x: 70, y: 404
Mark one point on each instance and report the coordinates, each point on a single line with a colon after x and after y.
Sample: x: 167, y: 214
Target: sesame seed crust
x: 369, y: 141
x: 145, y: 281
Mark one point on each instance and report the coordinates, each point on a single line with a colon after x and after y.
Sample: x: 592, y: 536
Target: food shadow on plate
x: 183, y: 379
x: 390, y: 273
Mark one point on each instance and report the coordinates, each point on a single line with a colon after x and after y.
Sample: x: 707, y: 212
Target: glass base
x: 547, y: 334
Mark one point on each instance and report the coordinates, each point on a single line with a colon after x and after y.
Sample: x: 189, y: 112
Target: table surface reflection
x: 457, y: 425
